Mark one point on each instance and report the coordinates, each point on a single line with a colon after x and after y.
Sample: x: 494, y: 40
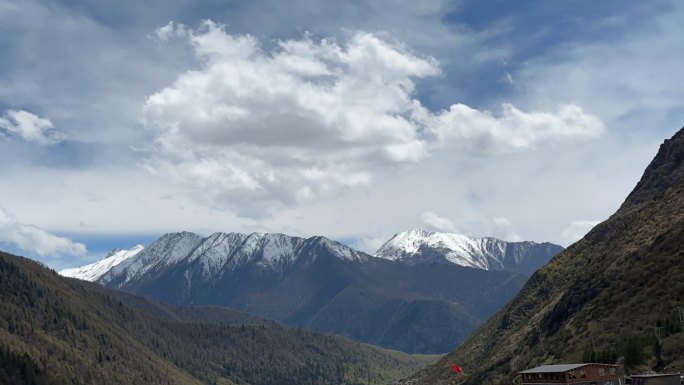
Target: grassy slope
x: 608, y: 290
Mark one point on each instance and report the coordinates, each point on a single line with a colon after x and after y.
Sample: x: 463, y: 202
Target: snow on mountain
x: 340, y: 250
x: 228, y: 251
x: 231, y: 250
x: 216, y: 250
x: 168, y: 249
x: 95, y: 270
x: 420, y: 246
x: 215, y: 254
x: 220, y: 253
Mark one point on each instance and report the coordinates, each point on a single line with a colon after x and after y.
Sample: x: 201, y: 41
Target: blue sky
x: 526, y: 120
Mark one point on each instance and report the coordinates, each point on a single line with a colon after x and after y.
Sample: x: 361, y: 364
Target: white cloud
x: 170, y: 30
x: 369, y: 244
x: 578, y: 229
x: 113, y: 67
x: 30, y: 127
x: 504, y: 230
x: 514, y: 129
x: 36, y: 240
x: 255, y: 129
x: 435, y: 222
x: 617, y: 77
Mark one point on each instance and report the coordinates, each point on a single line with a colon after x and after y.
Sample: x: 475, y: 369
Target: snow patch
x: 420, y: 246
x: 94, y: 271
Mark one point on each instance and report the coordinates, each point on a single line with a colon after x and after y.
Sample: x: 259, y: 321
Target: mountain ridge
x: 93, y: 271
x: 316, y: 283
x: 219, y: 249
x: 488, y: 253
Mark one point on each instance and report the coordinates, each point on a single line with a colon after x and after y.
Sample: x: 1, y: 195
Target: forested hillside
x: 55, y: 330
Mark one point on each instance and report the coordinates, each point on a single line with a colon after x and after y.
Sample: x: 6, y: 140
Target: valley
x: 366, y: 192
x: 413, y: 305
x: 55, y: 330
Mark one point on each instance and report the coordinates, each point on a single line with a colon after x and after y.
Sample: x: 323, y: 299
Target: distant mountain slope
x: 199, y: 314
x: 601, y: 299
x: 55, y: 330
x: 223, y: 253
x: 420, y: 246
x: 319, y: 284
x: 93, y: 271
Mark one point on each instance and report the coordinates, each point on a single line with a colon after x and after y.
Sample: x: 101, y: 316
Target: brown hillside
x: 599, y: 300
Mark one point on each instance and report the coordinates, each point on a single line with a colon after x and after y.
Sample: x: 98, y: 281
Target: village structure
x: 656, y: 379
x: 592, y: 374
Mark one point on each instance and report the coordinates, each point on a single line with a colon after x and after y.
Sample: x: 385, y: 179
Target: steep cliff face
x: 601, y: 297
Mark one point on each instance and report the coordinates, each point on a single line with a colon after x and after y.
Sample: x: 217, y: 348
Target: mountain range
x: 615, y: 296
x: 400, y: 301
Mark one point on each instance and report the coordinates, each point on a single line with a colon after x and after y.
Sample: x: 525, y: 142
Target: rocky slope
x: 599, y: 300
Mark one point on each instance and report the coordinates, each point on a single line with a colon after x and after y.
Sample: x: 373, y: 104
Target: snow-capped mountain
x: 213, y: 256
x: 228, y: 251
x: 319, y: 284
x: 94, y: 271
x: 165, y: 251
x: 419, y: 246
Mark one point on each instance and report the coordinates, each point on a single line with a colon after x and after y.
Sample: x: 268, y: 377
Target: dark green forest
x: 55, y: 330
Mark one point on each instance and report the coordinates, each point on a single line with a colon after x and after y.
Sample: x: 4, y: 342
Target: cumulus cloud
x: 36, y: 240
x: 578, y: 229
x: 438, y: 223
x: 30, y: 127
x: 514, y: 129
x: 258, y: 127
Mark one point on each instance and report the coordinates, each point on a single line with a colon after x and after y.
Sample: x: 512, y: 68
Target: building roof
x: 553, y: 368
x: 559, y: 368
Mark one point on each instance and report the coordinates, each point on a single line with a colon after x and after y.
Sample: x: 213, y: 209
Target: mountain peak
x: 111, y: 253
x: 417, y: 232
x: 419, y: 246
x: 94, y: 271
x: 214, y: 253
x: 178, y: 235
x: 666, y: 169
x: 340, y: 250
x: 167, y: 250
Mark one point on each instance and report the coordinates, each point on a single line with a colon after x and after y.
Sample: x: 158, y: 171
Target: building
x: 576, y: 374
x: 656, y: 379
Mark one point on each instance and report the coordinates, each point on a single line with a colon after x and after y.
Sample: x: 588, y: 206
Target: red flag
x: 455, y: 368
